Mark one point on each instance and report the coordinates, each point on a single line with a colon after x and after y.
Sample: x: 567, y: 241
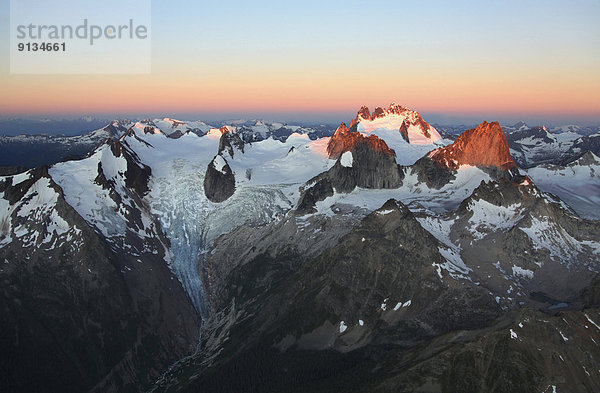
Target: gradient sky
x: 452, y: 60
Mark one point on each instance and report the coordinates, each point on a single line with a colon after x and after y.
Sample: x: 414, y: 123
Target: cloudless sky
x: 451, y: 60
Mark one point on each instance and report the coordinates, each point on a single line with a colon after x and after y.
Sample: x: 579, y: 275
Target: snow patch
x: 565, y: 339
x: 346, y: 159
x: 545, y: 234
x: 592, y: 322
x: 343, y: 327
x: 520, y: 272
x: 384, y: 305
x: 488, y: 217
x: 402, y: 305
x: 219, y: 164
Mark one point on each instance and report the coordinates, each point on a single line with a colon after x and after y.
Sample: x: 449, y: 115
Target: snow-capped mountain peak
x: 417, y: 130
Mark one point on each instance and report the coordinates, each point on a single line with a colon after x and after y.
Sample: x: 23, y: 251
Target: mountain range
x: 385, y: 255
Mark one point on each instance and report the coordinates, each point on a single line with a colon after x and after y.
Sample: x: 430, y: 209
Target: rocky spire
x: 485, y: 145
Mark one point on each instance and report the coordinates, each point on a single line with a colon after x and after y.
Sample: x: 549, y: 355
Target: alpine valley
x: 387, y: 255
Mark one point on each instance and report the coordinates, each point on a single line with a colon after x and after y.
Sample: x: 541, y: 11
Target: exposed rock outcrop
x: 219, y: 181
x: 485, y: 146
x: 344, y: 140
x: 404, y: 131
x: 137, y: 174
x: 230, y: 141
x: 372, y: 165
x: 78, y: 309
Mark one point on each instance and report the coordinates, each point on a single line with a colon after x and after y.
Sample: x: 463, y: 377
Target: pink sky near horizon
x: 521, y: 58
x: 27, y: 95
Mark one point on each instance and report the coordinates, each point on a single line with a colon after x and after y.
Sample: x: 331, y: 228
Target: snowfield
x: 269, y: 175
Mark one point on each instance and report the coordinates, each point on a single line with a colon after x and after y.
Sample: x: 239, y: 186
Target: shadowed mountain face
x: 78, y: 308
x: 235, y: 259
x: 364, y: 162
x: 35, y: 150
x: 375, y: 312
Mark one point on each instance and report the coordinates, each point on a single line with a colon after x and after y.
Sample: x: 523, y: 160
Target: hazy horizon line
x: 313, y: 117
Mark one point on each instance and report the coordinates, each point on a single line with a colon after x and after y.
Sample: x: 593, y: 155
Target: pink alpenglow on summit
x: 397, y: 118
x: 485, y: 145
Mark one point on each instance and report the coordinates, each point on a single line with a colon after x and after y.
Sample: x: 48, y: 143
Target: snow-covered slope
x: 257, y: 130
x: 577, y: 183
x: 537, y: 145
x: 453, y: 243
x: 383, y: 121
x: 413, y: 193
x: 403, y: 130
x: 34, y: 220
x: 268, y: 175
x: 170, y: 126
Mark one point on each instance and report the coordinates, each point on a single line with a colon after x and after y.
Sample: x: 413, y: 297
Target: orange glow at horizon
x: 313, y: 91
x: 452, y: 58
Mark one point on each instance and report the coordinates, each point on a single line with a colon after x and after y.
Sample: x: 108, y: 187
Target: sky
x: 453, y: 61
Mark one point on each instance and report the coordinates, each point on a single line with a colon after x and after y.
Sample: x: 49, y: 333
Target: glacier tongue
x: 181, y: 208
x: 192, y: 223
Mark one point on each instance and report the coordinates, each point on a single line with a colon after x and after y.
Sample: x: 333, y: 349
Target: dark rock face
x: 336, y: 314
x: 338, y: 321
x: 503, y: 193
x: 175, y: 135
x: 11, y: 170
x: 430, y: 173
x: 318, y: 192
x: 516, y: 355
x: 404, y: 131
x: 435, y: 176
x: 485, y: 146
x: 498, y: 227
x: 84, y: 314
x: 592, y: 293
x: 228, y: 142
x: 219, y: 181
x: 137, y: 174
x: 373, y: 166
